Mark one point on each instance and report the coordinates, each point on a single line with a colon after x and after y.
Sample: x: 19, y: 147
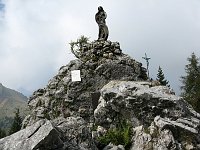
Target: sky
x: 35, y: 36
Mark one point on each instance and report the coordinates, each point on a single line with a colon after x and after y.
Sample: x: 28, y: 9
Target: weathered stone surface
x: 161, y: 119
x: 159, y: 140
x: 41, y: 135
x: 62, y: 97
x: 142, y: 140
x: 75, y: 133
x: 68, y: 115
x: 96, y: 50
x: 61, y: 133
x: 114, y: 147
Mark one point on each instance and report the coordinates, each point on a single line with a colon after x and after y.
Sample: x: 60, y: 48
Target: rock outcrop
x: 113, y: 89
x: 62, y: 97
x: 70, y: 133
x: 160, y: 120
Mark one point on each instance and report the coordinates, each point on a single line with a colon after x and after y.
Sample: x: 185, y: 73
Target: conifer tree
x: 191, y: 82
x: 161, y: 77
x: 17, y: 123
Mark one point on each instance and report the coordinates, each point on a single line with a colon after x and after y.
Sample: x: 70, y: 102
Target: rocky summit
x: 113, y: 107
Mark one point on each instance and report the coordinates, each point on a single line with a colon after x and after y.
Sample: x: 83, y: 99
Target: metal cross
x: 147, y: 61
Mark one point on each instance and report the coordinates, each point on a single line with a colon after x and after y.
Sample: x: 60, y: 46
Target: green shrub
x: 121, y: 135
x: 94, y: 127
x: 77, y: 46
x: 146, y: 130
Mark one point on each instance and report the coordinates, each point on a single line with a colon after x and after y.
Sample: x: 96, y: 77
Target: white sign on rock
x: 76, y: 75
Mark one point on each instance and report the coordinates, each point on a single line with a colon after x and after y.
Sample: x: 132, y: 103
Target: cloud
x: 34, y: 35
x: 1, y: 6
x: 32, y: 45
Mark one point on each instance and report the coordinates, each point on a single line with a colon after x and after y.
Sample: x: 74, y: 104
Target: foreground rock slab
x: 60, y: 134
x: 41, y: 135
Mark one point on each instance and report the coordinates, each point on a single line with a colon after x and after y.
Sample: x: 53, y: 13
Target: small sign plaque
x: 76, y: 75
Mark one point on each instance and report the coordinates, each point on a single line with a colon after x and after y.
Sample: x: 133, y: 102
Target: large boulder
x: 75, y: 133
x: 60, y: 134
x: 41, y: 135
x: 160, y: 120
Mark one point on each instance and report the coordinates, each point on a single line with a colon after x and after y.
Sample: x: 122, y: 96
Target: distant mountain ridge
x: 9, y: 93
x: 10, y: 100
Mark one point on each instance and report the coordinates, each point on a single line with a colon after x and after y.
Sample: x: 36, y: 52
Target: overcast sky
x: 34, y: 35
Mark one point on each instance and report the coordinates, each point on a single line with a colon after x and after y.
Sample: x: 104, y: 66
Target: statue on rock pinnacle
x: 100, y: 18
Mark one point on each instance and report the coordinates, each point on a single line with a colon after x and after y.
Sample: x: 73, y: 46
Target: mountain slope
x: 10, y: 100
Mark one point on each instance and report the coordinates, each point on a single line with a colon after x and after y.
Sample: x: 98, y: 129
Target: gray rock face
x: 70, y: 105
x: 68, y: 115
x: 75, y: 133
x: 62, y: 97
x: 59, y: 134
x: 157, y: 140
x: 161, y: 119
x: 96, y: 50
x: 41, y: 135
x: 114, y: 147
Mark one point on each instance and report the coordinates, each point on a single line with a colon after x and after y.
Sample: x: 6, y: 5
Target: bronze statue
x: 100, y: 19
